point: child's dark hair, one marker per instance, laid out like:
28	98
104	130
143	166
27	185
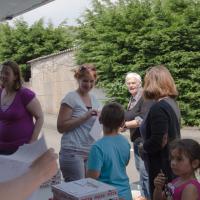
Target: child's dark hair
112	116
189	147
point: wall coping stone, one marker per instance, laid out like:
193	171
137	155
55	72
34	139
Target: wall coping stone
51	55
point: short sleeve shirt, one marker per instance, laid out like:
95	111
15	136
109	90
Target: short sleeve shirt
175	192
16	123
79	139
110	156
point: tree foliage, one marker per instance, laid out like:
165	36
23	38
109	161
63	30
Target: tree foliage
22	42
131	35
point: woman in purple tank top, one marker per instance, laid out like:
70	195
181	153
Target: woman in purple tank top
18	107
185	160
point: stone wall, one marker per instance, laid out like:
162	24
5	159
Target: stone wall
51	78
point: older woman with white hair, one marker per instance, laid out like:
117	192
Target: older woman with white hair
136	111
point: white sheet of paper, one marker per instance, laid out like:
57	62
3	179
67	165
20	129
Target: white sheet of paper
96	130
16	164
29	152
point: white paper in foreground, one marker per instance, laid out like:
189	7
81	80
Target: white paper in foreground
96	130
16	164
29	152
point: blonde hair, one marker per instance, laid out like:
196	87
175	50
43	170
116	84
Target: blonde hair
158	83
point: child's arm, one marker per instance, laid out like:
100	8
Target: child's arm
190	192
95	162
93	174
159	183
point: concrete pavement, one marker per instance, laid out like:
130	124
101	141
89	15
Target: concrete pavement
53	137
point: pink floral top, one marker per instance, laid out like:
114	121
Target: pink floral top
175	192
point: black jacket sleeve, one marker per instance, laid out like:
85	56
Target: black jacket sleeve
158	124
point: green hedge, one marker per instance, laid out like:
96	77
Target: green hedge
21	42
131	35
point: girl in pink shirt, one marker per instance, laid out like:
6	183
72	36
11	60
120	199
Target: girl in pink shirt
185	160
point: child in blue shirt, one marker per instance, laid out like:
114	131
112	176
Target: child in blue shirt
110	155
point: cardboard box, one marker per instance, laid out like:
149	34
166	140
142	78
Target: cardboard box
84	189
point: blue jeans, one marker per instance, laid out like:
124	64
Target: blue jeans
139	164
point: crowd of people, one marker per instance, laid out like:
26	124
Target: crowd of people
165	162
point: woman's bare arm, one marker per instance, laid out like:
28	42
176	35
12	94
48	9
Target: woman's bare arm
66	122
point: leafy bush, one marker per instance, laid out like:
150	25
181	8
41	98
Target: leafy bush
23	43
131	35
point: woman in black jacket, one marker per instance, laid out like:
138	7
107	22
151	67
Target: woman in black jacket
162	123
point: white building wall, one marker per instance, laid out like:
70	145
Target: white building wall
52	78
